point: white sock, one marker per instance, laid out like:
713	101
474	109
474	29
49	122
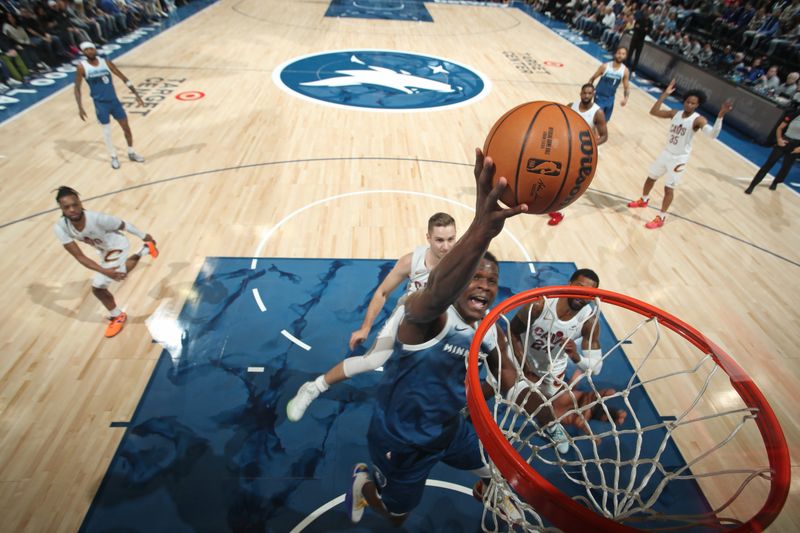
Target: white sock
663	215
144	251
321	384
646	198
115	312
130	150
107	139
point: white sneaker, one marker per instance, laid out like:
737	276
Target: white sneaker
556	433
133	156
354	500
4	87
114	162
297	406
13	82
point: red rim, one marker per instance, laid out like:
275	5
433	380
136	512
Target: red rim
558	508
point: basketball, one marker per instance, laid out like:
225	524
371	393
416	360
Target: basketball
546	151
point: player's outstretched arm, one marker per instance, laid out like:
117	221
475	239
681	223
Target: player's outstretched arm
113	68
79	75
597	73
591	360
393	279
454	272
136	232
656	110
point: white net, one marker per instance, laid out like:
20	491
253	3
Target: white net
657	440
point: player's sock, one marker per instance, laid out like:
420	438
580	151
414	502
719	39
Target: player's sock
321	384
663	215
131	150
646	198
107	139
114	313
144	251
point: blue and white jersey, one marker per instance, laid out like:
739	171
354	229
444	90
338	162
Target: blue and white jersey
609	81
99	79
422	392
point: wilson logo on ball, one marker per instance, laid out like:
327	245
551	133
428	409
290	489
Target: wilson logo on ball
543	166
586	170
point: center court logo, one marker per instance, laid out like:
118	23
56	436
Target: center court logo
381	80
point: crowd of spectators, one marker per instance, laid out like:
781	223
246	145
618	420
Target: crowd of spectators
753	43
39	35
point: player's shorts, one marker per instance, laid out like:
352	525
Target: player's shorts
606	104
104	109
116	261
400	470
670	164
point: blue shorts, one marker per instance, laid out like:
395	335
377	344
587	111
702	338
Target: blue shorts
606	104
400	470
104	109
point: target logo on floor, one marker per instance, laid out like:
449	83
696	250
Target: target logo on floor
381	80
190	96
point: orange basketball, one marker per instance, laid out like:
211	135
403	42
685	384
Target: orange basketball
546	151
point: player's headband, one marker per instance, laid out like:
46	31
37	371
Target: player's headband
86	45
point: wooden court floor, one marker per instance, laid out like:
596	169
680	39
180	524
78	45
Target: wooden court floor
222	171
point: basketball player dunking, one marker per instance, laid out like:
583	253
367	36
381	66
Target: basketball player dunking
97	72
550	328
595	117
415	266
611	74
104	233
675	155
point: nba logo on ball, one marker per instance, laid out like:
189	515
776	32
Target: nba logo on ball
381	80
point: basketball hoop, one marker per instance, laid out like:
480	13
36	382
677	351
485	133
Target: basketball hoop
622	478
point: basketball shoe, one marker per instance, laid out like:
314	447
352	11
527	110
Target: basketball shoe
556	433
297	406
152	247
133	156
116	324
354	500
655	223
638	203
555	219
114	162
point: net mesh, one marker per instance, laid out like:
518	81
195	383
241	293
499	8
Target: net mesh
619	454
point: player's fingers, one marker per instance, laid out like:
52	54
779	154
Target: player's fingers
514	211
497	190
478	162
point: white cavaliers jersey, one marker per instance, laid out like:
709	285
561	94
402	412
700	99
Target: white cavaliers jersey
100	232
546	335
587	115
418	276
681	131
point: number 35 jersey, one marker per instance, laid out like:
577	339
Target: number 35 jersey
681	131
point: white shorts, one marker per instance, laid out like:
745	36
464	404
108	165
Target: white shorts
101	281
670	164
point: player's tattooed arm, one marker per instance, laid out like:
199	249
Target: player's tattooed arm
79	75
128	83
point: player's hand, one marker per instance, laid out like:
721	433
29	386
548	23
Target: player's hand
489	215
670	88
727	105
796	150
571	350
139	101
782	142
624	101
82	114
357	337
114	274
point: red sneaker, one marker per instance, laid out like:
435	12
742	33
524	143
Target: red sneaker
655	223
638	203
152	247
116	324
555	218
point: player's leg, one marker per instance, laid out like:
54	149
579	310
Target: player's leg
656	170
675	169
774	155
148	248
352	366
788	160
103	112
117	317
119	114
396	482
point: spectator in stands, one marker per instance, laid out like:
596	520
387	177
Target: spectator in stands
79	19
753	25
22	41
642	26
787	39
740	67
754	72
769	82
111	8
49	46
765	31
705	56
606	23
685	46
108	22
727	59
17	69
786	91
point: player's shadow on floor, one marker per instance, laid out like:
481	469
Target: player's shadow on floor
602	200
176	150
95	150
